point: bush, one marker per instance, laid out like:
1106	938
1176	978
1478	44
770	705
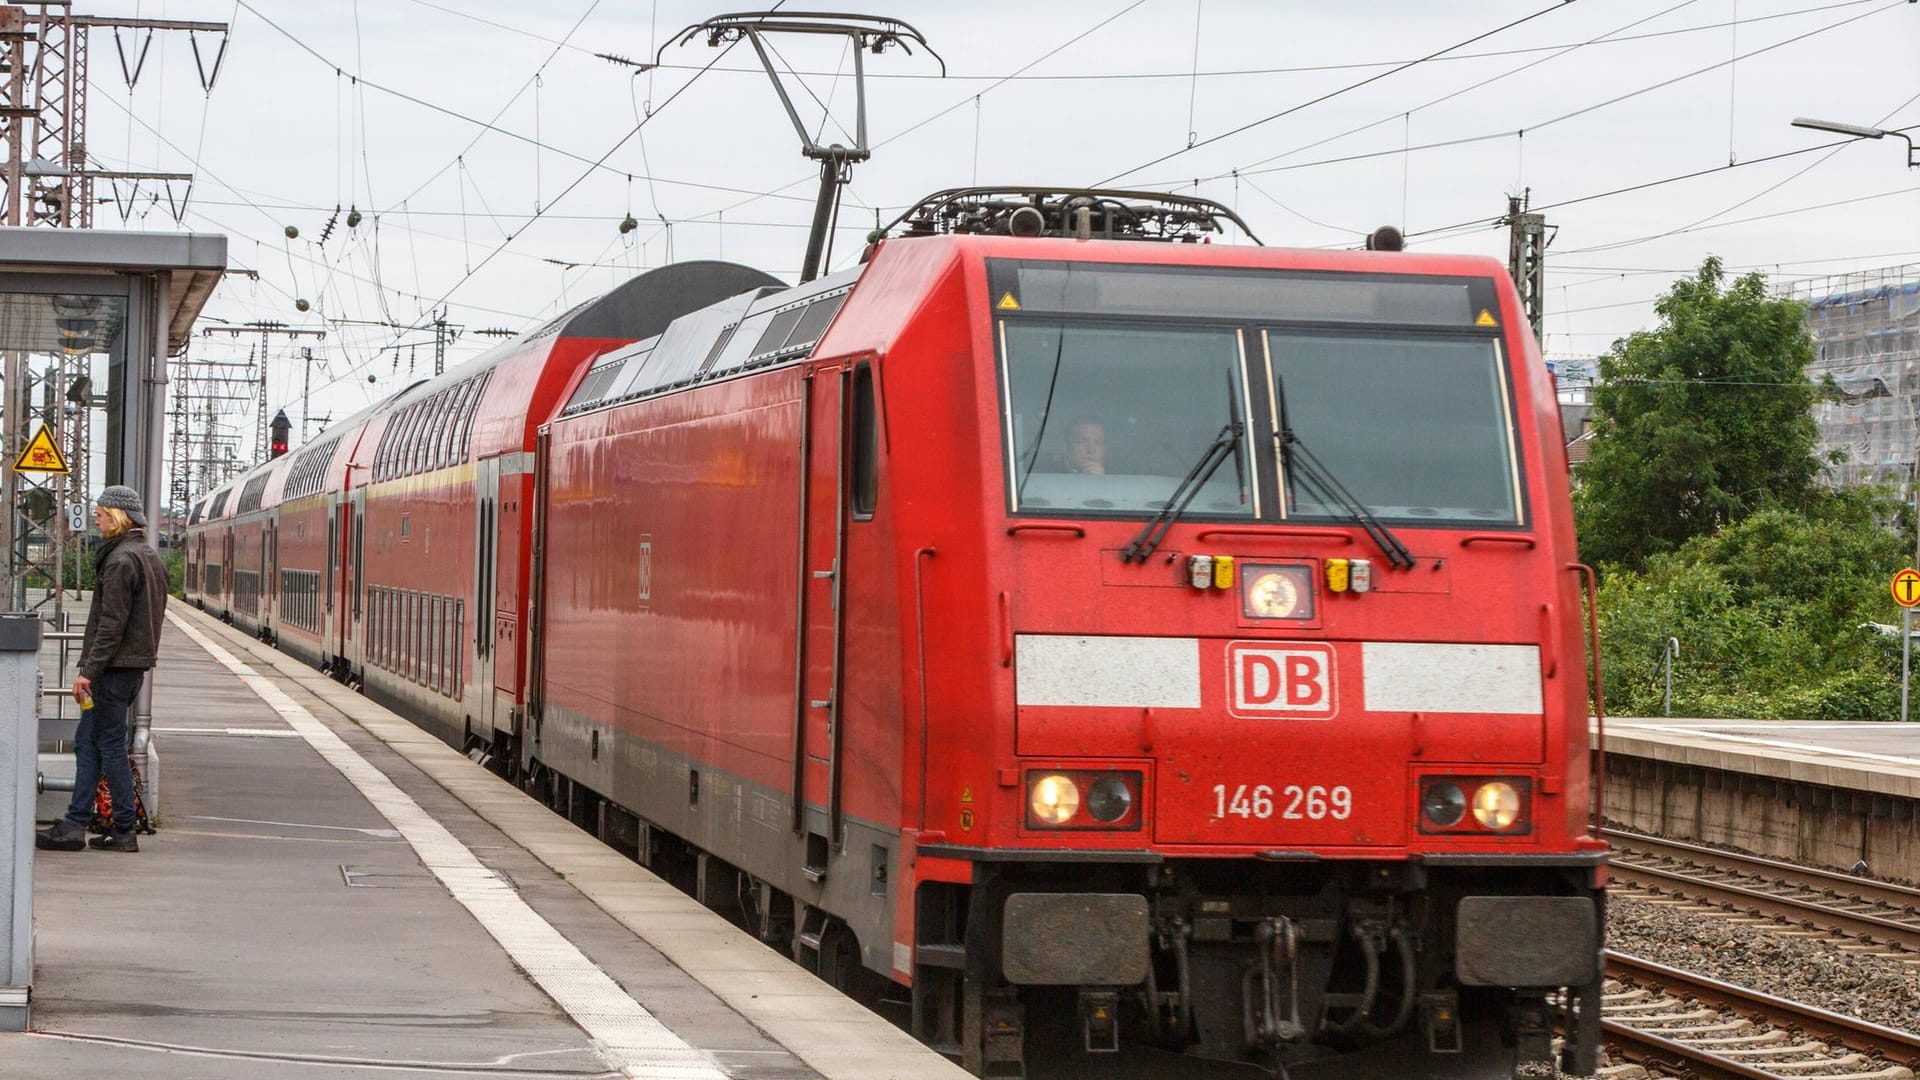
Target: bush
1769	615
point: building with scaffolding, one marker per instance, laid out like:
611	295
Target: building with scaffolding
1866	338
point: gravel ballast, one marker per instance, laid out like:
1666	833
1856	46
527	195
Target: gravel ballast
1808	970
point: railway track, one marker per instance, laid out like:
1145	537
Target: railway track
1883	916
1669	1022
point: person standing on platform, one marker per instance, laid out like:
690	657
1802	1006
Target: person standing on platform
120	646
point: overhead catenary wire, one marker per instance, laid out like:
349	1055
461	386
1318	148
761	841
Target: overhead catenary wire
1451	95
577	181
1520	131
1290	110
1700	223
923	122
496	129
1121	76
201	170
1485	222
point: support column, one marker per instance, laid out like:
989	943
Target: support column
19	767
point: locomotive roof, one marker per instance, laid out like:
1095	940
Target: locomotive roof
748	330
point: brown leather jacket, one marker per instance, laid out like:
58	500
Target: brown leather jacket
129	606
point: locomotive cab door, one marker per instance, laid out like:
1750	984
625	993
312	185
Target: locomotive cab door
486	544
822	632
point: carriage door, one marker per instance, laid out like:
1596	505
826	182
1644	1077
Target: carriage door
486	543
355	649
268	591
817	725
332	636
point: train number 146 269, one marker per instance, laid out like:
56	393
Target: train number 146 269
1294	802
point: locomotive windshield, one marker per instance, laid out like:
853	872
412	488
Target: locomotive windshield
1117	378
1108	419
1428	438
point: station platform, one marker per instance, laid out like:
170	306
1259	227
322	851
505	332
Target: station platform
1835	794
1882	758
333	893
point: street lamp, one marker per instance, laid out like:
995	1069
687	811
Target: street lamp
1858	132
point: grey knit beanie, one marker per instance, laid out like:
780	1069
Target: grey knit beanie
122	497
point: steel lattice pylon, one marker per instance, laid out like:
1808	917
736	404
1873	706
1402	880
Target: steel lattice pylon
56	161
16	109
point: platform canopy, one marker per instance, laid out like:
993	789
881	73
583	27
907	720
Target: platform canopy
30	321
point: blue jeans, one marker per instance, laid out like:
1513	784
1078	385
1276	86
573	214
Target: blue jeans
101	745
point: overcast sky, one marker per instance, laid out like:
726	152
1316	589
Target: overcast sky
1610	94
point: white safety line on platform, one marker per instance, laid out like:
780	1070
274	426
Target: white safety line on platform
384	834
495	1069
626	1034
238	732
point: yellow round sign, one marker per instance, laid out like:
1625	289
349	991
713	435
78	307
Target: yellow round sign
1906	587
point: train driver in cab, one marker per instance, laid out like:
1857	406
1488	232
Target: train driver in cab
1087	447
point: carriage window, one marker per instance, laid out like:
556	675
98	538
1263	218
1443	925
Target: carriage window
1430	440
434	641
1109	419
866	444
472	411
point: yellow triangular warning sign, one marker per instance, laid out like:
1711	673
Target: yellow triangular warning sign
41	455
1485	319
1008	303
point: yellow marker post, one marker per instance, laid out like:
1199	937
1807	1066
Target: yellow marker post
1906	593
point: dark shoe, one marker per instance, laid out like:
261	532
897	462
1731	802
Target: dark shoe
115	841
62	835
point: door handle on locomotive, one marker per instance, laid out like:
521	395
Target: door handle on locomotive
1549	647
1497	538
1280	534
1043	526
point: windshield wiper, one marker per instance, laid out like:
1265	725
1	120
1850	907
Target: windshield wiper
1157	526
1300	460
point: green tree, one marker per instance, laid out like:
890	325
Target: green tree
1699	422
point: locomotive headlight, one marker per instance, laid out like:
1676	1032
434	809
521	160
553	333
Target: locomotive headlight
1053	799
1443	803
1276	592
1496	805
1109	799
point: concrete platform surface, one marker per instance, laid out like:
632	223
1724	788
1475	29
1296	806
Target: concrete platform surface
334	894
1882	758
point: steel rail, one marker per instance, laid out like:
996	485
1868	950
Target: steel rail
1867	889
1903	933
1672	1057
1892	1044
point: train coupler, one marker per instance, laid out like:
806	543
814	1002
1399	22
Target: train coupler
1440	1021
1270	992
1100	1020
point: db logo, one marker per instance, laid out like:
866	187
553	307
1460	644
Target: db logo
1273	679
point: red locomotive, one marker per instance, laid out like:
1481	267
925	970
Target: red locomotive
1181	642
